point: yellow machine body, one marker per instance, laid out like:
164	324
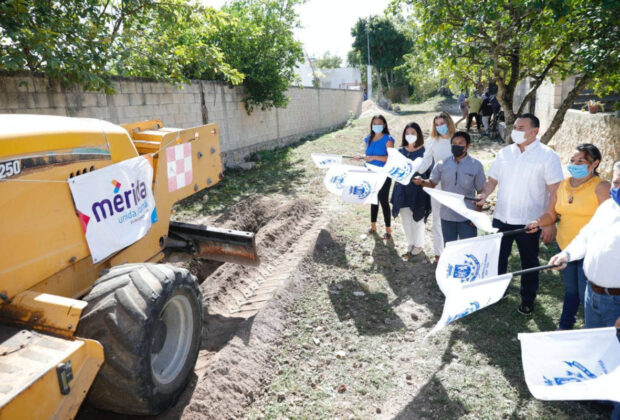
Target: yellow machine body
45	263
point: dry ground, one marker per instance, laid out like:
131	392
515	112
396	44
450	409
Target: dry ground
332	323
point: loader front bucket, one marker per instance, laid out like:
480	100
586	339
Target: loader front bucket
218	244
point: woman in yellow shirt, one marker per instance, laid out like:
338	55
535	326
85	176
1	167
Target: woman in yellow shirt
575	202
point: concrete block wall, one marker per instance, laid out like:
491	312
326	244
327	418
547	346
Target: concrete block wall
309	111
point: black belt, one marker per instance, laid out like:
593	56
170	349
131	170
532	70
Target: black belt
604	290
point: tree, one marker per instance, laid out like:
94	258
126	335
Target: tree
510	40
387	47
329	61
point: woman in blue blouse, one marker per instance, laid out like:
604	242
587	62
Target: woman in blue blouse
377	143
410	201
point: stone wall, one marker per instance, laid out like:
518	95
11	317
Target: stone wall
602	130
309	111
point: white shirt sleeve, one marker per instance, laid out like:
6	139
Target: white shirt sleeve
553	170
496	167
427	158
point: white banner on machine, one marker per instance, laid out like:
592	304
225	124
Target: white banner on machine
115	205
398	167
334	178
362	187
572	365
456	202
324	160
467	260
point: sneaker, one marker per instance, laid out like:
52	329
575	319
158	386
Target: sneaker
525	309
416	250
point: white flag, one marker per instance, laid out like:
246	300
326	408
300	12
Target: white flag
115	205
324	160
572	365
362	187
398	167
456	202
463	300
334	178
468	260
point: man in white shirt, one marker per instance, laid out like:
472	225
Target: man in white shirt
526	173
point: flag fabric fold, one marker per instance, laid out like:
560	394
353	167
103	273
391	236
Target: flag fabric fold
325	160
572	365
334	178
362	187
398	167
456	202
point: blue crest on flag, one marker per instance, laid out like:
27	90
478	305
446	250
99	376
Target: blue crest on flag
361	191
338	181
576	373
327	161
402	172
473	307
466	272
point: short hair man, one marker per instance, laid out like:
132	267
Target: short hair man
526	173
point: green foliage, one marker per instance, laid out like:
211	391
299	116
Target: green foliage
85	42
260	43
387	44
509	40
329	61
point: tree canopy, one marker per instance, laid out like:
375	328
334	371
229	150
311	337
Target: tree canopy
328	61
85	42
510	40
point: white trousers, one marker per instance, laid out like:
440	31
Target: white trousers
485	122
437	235
414	231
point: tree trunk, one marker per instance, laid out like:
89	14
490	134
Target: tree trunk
387	79
558	118
379	85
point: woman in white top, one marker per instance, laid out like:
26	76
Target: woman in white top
438	148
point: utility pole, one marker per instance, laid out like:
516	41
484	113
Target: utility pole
369	67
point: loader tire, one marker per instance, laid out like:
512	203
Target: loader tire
148	317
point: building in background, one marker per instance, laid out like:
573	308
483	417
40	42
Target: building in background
339	78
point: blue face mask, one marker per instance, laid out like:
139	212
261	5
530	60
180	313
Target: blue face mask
578	171
377	128
615	195
442	129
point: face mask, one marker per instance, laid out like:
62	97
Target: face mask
377	129
442	129
518	136
615	195
578	171
410	138
458	151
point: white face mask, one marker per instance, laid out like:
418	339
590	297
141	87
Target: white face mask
410	138
517	136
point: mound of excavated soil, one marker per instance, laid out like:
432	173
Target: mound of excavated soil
246	307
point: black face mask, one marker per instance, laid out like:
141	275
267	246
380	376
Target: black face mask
458	151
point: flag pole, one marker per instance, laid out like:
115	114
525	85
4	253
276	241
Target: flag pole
533	269
501	276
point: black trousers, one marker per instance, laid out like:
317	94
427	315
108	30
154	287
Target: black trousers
384	201
470	117
528	245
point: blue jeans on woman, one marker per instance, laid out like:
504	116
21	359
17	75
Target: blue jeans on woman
574	291
453	231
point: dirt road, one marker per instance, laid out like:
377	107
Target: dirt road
332	323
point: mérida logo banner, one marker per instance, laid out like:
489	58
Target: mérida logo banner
115	205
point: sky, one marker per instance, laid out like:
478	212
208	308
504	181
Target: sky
326	24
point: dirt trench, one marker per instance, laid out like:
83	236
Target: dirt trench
245	308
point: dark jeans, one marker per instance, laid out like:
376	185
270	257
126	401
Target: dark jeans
384	200
470	117
574	291
527	243
453	231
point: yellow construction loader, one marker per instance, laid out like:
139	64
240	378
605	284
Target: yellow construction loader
124	331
